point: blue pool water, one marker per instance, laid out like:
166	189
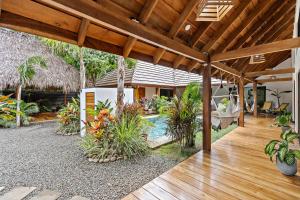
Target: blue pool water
159	128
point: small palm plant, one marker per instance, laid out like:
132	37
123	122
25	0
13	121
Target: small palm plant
285	157
27	72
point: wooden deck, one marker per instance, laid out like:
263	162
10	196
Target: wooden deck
235	169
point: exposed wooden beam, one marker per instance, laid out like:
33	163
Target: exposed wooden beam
277	46
143	18
96	13
130	42
193	65
235	14
187	11
270	72
82	31
260	7
178	61
198	34
274	80
147	10
0	7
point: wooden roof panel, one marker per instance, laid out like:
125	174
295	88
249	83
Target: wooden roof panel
39	17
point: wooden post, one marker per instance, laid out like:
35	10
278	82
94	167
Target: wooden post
242	101
120	89
255	99
65	98
207	106
82	70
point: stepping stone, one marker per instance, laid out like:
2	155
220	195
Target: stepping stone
1	188
17	193
46	195
79	198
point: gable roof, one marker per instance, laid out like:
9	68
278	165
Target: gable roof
146	73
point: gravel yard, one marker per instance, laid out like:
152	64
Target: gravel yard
36	156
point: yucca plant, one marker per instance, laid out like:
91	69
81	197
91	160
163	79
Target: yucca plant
284	155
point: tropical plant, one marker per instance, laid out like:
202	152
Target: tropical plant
283	120
109	138
69	118
8	111
280	148
276	93
96	63
26	73
182	116
160	103
129	138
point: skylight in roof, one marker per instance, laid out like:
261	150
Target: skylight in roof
214	10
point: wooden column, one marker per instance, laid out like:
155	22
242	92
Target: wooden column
207	106
242	101
255	99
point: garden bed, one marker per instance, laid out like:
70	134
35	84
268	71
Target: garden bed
56	163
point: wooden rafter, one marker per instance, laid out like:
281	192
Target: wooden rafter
187	11
259	49
178	61
270	72
0	7
274	80
143	18
82	31
193	65
198	34
244	24
226	24
93	11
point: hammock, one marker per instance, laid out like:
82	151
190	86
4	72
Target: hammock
233	107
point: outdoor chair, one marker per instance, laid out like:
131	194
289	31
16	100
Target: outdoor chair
282	108
266	109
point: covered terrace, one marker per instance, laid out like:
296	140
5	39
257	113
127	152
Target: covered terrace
177	34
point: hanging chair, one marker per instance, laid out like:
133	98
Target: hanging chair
225	114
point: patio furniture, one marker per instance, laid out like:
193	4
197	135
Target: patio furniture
266	109
280	109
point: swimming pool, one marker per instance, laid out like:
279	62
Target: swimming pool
159	127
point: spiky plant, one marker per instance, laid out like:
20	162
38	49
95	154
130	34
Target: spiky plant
280	148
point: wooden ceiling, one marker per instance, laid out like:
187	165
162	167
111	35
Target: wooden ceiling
153	30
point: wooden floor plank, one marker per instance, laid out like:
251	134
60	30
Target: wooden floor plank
236	168
17	193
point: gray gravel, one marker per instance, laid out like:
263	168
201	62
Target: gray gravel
36	156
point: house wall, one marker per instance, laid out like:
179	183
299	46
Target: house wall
296	64
281	86
149	92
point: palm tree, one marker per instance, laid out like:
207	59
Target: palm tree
27	72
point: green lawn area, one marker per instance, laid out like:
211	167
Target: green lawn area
174	151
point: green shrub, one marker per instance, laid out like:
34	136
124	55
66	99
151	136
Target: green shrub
8	111
109	138
281	149
69	118
182	114
283	119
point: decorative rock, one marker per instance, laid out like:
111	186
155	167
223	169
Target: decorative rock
119	158
106	160
95	160
113	159
90	159
101	160
125	157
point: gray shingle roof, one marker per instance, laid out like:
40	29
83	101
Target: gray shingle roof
146	73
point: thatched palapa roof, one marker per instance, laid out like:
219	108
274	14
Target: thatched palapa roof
16	48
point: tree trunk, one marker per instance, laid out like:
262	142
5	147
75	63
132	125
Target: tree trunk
82	71
18	116
120	90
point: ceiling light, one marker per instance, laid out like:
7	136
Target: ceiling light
187	27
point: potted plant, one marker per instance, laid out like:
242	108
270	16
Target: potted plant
286	158
283	121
